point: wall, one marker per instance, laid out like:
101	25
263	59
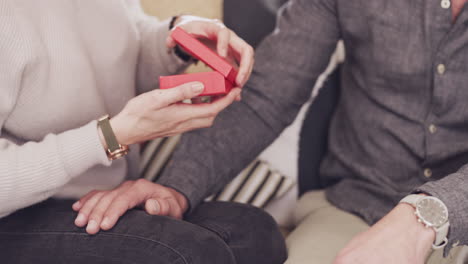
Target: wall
166	8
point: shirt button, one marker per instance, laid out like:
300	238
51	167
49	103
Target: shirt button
441	69
432	128
445	4
427	173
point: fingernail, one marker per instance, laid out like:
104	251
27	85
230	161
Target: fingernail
80	219
76	205
156	207
241	80
152	207
106	223
198	87
92	227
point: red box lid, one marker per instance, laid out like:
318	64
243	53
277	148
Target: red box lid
198	50
214	82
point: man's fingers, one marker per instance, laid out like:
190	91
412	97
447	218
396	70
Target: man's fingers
157	206
152	207
175	211
82	218
163	98
164	207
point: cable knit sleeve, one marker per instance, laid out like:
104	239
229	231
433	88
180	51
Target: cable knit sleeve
154	59
32	172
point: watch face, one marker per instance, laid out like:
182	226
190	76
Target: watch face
432	211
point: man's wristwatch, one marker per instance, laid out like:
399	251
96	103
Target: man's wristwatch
433	213
114	150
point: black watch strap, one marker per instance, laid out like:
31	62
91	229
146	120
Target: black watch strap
177	49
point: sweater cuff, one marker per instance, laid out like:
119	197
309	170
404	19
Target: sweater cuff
448	191
82	149
182	178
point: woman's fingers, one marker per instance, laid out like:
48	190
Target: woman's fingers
96	221
187	112
83	215
97	213
224	37
134	195
222	103
246	53
79	204
118	207
166	97
104	208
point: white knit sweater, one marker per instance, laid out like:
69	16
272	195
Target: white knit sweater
64	63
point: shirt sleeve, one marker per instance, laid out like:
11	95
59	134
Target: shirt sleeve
452	191
289	62
154	58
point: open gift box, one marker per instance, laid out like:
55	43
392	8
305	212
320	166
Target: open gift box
218	82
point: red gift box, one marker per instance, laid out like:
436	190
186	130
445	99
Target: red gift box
214	82
219	82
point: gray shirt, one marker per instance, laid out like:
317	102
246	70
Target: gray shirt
402	121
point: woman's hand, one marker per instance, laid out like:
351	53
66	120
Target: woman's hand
159	114
228	44
102	209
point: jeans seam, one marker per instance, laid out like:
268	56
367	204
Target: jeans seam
103	234
220	232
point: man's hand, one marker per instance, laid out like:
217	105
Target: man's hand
101	209
397	238
228	44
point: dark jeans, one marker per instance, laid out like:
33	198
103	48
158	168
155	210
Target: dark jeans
216	232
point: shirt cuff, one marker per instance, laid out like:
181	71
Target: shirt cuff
449	192
182	178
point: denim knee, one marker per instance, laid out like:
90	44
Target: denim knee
191	243
252	233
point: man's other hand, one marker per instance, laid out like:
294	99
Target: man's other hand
397	238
